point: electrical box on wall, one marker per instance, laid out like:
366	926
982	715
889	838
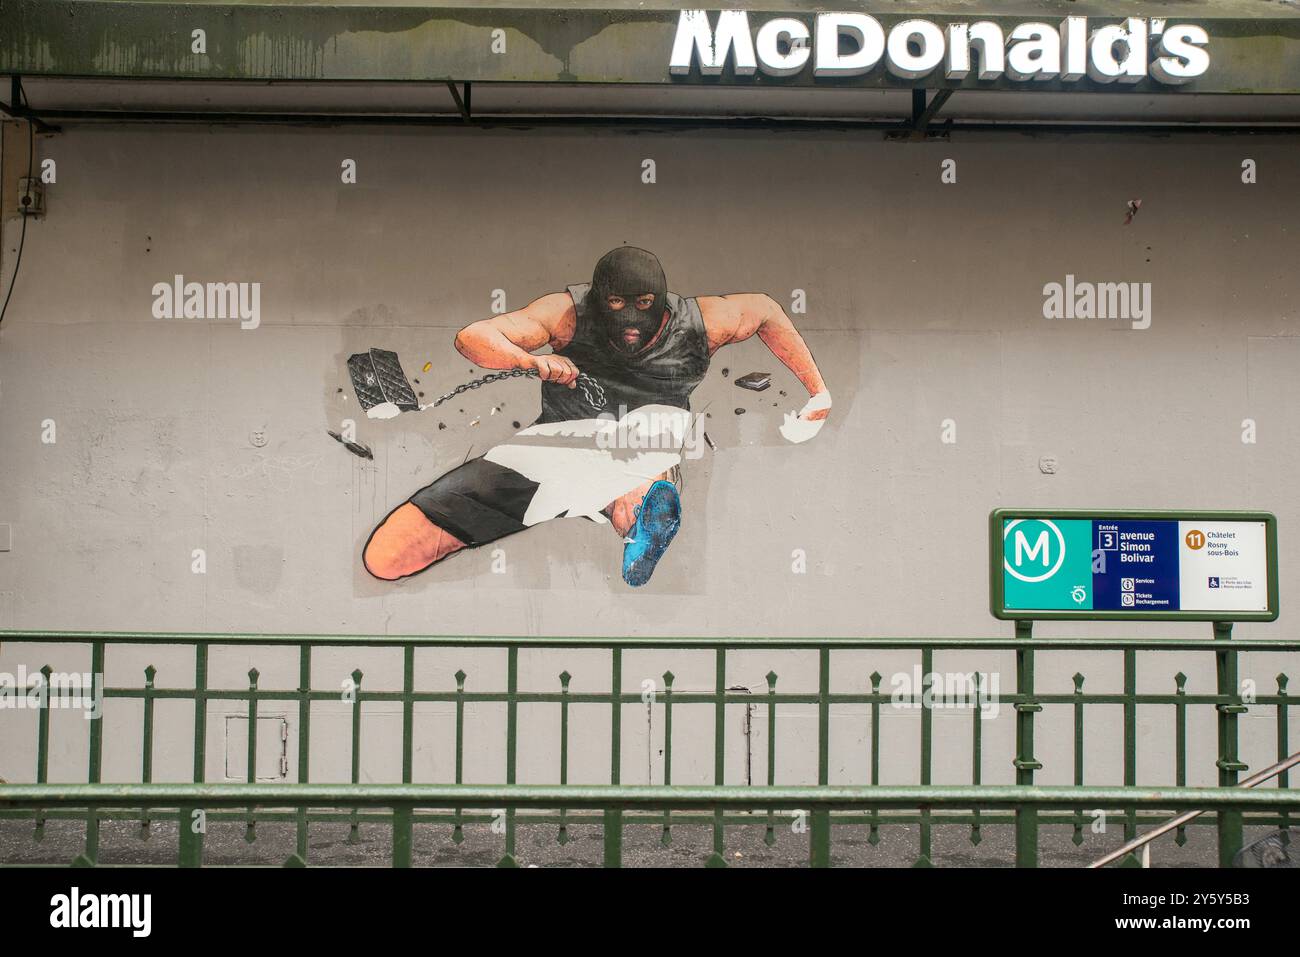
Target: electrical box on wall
31	196
20	164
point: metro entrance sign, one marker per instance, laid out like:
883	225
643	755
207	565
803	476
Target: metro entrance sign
1197	566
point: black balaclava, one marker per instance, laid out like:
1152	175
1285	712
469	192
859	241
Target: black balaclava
629	272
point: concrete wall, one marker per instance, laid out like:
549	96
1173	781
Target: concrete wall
925	303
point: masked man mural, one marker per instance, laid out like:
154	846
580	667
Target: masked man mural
626	356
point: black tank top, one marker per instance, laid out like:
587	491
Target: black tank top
664	374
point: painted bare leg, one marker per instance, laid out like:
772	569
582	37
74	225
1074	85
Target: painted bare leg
647	519
405	543
622	511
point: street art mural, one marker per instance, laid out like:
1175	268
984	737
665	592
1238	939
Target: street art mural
615	423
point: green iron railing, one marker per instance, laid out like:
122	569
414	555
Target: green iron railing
403	802
828	806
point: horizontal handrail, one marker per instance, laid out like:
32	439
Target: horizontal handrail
656	797
1008	643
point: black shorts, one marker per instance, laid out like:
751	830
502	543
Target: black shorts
478	502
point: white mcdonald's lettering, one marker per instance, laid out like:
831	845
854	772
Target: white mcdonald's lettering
1123	53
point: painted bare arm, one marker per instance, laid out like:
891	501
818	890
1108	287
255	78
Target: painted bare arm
507	341
737	317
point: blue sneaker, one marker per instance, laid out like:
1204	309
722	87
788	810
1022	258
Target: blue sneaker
657	520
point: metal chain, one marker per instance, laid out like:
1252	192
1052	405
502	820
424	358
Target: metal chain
586	383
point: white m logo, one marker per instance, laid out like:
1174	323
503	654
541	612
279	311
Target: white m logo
1040	550
1022	546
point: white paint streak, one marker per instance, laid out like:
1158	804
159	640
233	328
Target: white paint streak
796	428
580	477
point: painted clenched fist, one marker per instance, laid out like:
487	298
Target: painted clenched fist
556	369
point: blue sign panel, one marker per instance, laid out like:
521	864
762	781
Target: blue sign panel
1135	566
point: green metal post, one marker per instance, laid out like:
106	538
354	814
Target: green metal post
191	822
1026	707
976	749
819	843
146	757
819	838
458	829
200	711
1130	737
613	837
354	830
927	731
824	717
1283	746
304	747
251	832
1229	822
253	675
667	836
1078	680
719	751
408	712
562	837
42	748
614	816
96	749
769	836
873	834
402	836
512	743
1180	745
43	729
